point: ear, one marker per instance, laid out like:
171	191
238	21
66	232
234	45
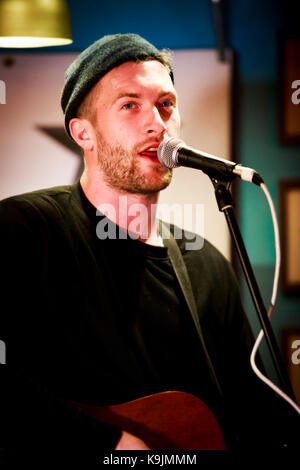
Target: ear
81	131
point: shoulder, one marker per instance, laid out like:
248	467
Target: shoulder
195	247
214	283
29	217
37	198
203	260
34	204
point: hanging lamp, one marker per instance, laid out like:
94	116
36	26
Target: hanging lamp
34	23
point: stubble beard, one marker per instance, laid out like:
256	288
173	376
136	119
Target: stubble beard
121	170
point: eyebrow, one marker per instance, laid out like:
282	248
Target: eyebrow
126	94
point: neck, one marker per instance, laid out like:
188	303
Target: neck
134	213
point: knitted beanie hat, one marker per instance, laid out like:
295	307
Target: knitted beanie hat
98	59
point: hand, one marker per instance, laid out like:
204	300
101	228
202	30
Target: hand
130	442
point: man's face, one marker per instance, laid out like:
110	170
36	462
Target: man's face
136	107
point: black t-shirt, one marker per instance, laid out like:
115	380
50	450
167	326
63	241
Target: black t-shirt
103	321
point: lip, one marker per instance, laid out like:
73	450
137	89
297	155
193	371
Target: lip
154	145
150	154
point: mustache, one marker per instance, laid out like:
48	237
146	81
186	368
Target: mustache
137	148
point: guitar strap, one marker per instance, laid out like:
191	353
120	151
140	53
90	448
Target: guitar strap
183	278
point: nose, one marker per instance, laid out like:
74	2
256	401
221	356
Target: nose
154	123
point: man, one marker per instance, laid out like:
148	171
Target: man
95	313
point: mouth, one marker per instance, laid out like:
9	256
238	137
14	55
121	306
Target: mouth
150	151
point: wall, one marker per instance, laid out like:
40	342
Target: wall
253	33
37	160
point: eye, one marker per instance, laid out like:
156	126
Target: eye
166	104
129	106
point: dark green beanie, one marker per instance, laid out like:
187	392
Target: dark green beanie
95	61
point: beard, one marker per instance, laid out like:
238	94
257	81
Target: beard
122	169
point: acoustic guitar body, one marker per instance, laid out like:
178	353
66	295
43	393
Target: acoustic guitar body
165	421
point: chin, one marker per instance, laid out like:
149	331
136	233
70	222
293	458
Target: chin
139	184
153	187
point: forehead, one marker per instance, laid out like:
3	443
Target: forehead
148	76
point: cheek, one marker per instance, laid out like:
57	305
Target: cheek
126	132
114	131
174	123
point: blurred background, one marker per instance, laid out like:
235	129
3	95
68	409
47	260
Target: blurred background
259	39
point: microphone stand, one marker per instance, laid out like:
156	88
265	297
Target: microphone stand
225	204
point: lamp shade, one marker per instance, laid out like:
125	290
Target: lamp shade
34	23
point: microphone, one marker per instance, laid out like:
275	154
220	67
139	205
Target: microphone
173	152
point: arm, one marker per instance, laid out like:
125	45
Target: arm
31	416
253	415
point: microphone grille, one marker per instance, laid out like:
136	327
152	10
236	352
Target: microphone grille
167	151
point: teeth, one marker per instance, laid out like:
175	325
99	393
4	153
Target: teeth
152	149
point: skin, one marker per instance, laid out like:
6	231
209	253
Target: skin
135	107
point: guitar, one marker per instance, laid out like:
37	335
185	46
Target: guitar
164	421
